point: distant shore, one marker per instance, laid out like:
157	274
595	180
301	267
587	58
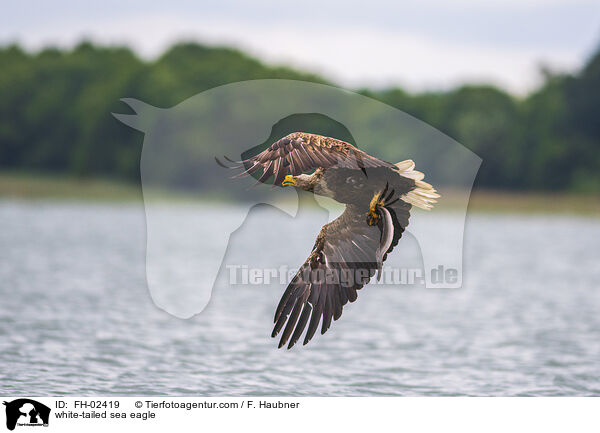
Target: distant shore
27	186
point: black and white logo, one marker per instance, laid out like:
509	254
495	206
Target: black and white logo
26	412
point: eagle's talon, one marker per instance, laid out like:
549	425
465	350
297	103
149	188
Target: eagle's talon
374	203
372	219
289	180
372	215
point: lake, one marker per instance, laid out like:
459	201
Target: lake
76	316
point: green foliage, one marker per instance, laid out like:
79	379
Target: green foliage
55	113
549	140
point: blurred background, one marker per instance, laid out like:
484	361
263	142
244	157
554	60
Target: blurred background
515	81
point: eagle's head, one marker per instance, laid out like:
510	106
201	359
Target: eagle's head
305	182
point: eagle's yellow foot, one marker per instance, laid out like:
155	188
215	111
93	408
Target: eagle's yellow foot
372	215
289	181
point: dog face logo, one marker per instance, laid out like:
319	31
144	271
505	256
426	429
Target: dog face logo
26	412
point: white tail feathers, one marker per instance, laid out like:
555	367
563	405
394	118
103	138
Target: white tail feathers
424	195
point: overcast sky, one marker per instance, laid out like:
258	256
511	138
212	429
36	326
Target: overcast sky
427	44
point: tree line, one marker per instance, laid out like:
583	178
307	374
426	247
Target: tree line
56	104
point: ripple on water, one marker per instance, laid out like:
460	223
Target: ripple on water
76	318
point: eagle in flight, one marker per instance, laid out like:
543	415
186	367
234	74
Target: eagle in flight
349	250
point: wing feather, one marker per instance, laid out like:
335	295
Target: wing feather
267	173
301	324
347	253
302	152
316	316
292	321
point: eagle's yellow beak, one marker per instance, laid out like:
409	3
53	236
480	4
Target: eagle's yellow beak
289	180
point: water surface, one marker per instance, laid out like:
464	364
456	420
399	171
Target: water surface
76	317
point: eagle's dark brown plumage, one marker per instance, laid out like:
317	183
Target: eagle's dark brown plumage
351	249
302	152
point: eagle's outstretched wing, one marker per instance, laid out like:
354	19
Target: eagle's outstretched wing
346	254
302	152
